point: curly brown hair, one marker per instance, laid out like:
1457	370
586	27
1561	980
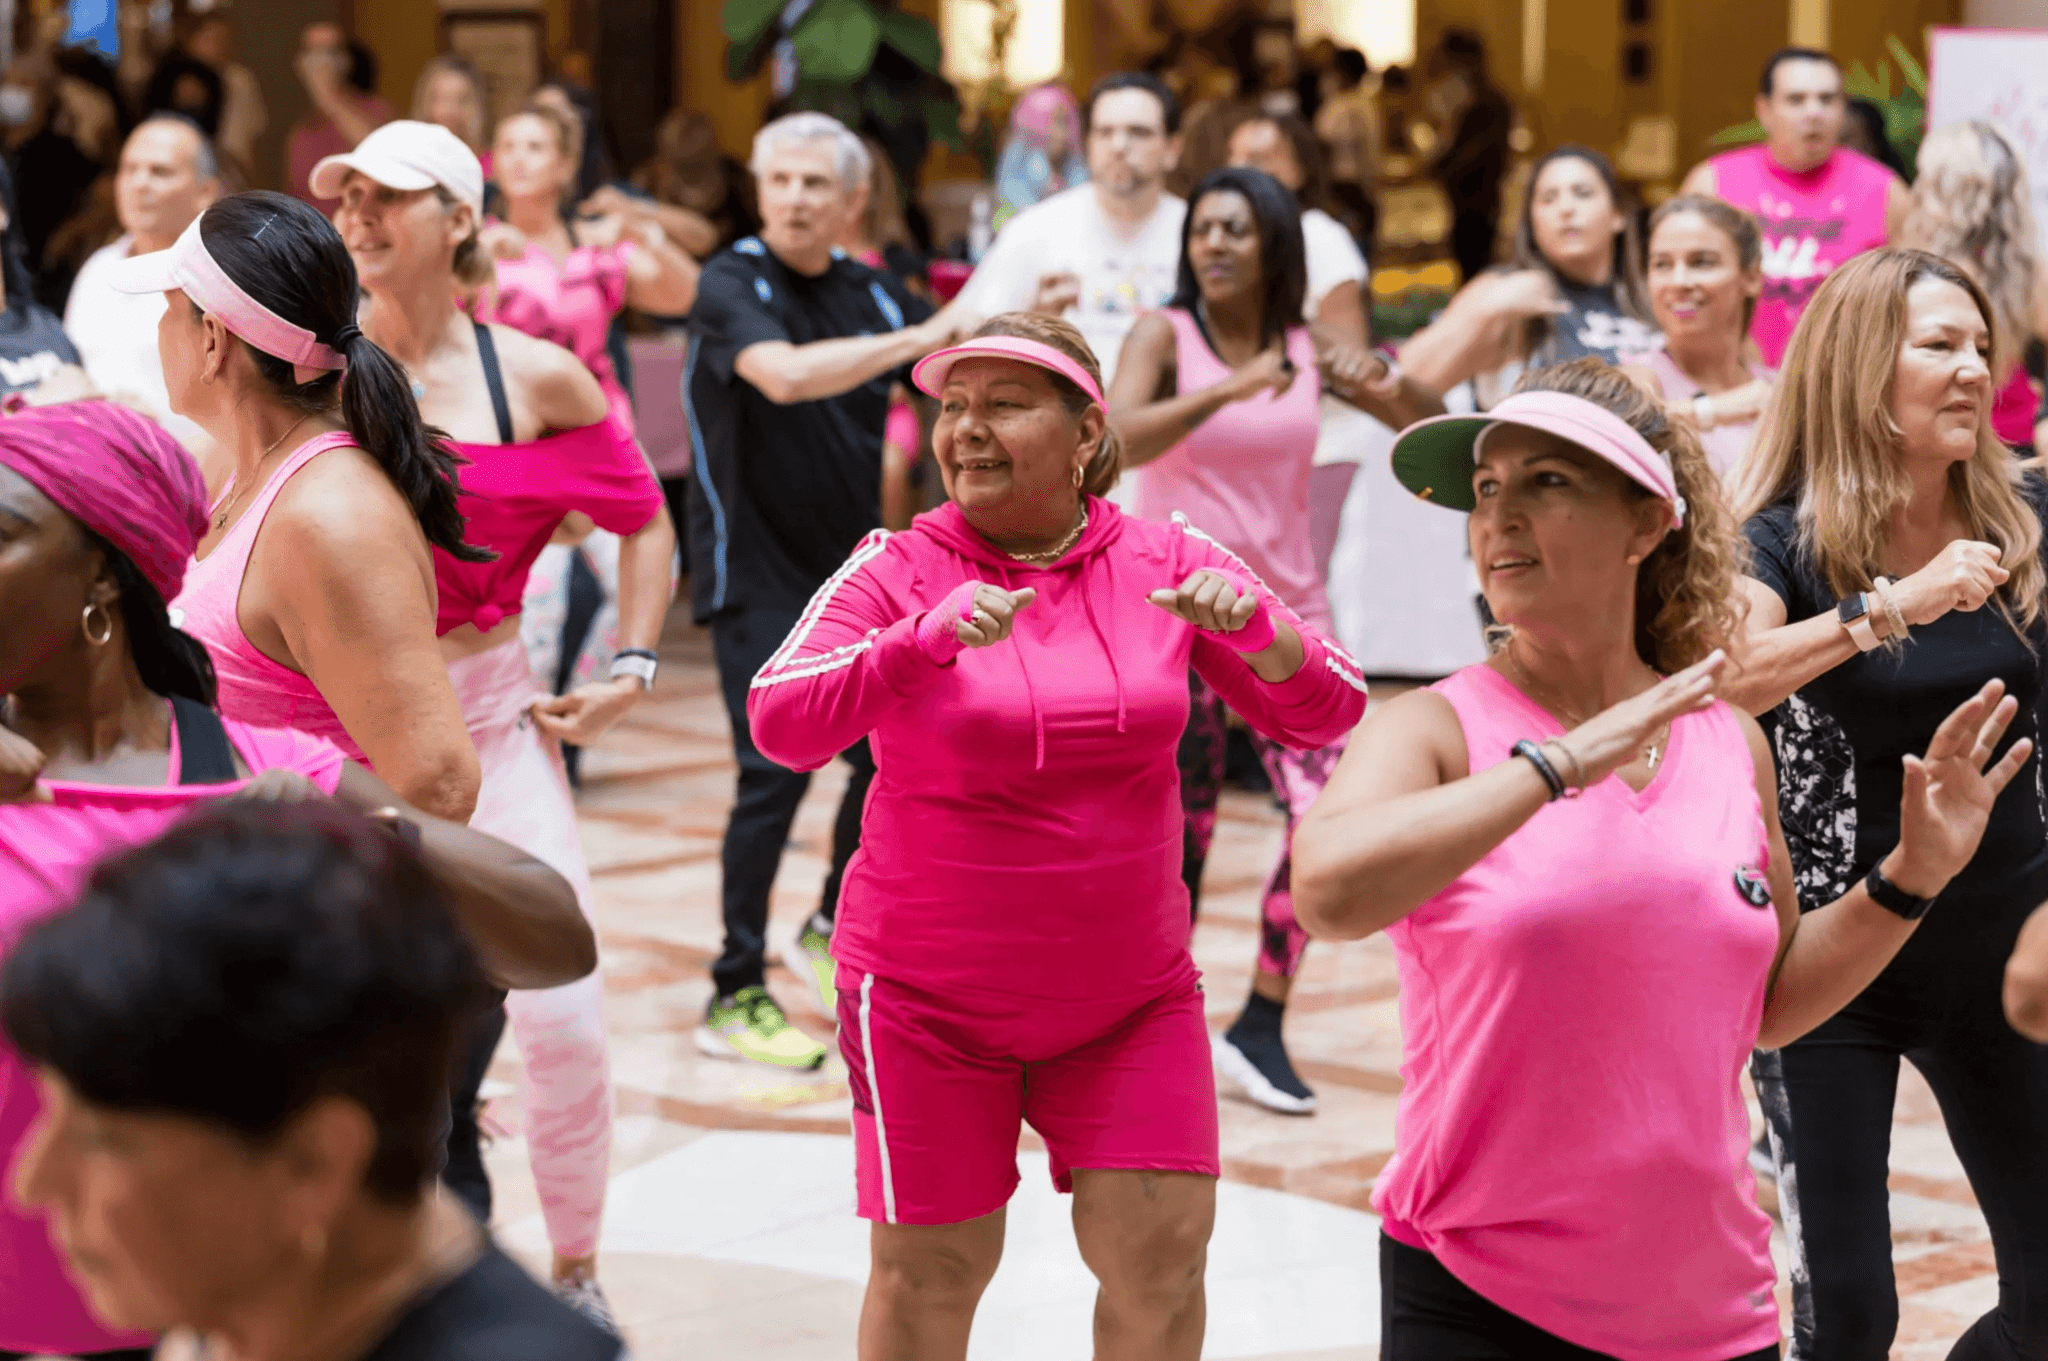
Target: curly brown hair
1108	463
1686	601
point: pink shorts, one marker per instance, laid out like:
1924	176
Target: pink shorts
943	1084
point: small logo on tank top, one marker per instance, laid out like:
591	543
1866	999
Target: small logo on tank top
177	617
1751	884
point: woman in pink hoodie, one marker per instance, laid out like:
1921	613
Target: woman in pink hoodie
1013	940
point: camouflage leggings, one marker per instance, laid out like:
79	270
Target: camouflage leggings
1298	778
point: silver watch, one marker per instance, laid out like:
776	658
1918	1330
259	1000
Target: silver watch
636	662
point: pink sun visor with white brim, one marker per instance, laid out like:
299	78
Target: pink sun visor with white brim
930	373
1435	458
187	265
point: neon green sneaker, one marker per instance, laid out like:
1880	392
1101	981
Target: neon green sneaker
809	956
748	1025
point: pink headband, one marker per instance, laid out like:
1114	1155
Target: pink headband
930	374
187	265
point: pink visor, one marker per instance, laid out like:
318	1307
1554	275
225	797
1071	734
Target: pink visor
930	373
1435	458
188	266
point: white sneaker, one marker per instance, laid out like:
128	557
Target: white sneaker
1236	1065
808	955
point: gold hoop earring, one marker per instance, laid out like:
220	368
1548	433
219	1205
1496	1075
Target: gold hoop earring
1080	472
106	617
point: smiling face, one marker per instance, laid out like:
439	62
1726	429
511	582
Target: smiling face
528	159
1574	219
400	239
1941	388
1697	284
1224	247
1005	443
1553	529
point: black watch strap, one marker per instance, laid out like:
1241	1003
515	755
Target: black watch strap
1892	898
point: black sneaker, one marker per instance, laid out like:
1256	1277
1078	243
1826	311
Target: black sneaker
1259	1064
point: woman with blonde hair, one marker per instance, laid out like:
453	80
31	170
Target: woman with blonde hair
1574	850
451	92
1972	206
1895	570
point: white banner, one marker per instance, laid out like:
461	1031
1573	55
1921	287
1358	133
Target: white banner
2000	74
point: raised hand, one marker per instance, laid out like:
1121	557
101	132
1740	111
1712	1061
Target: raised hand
1210	600
1270	369
1057	292
1949	791
1962	576
1617	734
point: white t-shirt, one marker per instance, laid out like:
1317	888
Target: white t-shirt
1123	273
1346	433
116	338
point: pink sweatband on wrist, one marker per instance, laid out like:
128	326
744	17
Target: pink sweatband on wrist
1258	632
938	634
902	429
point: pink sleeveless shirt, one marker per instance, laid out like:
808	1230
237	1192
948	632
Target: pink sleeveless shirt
1576	1011
571	304
513	496
46	851
1812	222
1242	476
253	688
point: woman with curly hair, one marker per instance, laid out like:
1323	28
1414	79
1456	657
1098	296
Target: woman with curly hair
1574	849
1895	568
1973	207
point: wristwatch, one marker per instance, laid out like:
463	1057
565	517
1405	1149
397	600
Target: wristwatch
635	661
1854	612
1892	898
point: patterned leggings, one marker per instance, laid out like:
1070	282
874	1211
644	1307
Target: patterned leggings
1298	778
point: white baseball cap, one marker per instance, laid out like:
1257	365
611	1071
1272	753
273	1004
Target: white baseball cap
407	155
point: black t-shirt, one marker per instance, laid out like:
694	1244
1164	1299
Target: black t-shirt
494	1311
1840	739
781	494
1598	325
32	347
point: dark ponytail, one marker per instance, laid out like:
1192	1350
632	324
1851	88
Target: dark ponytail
284	254
169	660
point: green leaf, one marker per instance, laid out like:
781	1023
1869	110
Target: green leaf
1742	134
1916	74
916	38
836	41
746	21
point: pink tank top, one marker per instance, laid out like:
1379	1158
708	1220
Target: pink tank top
1812	221
254	689
1242	476
571	304
1576	1012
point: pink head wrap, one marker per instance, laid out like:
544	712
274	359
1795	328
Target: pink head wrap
930	373
189	266
119	475
1038	109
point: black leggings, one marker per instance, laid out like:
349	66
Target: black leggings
1828	1101
1427	1314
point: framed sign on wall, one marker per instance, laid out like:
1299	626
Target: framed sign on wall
505	46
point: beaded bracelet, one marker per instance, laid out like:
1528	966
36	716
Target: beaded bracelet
1533	754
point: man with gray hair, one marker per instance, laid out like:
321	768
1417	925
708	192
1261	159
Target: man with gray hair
793	347
167	177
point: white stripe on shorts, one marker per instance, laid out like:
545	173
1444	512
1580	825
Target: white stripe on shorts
867	1049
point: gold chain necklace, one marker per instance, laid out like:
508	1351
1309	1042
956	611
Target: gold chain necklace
220	521
1052	554
1651	754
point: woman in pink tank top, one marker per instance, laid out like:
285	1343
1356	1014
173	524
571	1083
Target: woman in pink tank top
1973	206
540	441
103	510
1574	848
314	587
1218	396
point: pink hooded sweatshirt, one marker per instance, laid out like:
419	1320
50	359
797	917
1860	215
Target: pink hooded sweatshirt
1023	834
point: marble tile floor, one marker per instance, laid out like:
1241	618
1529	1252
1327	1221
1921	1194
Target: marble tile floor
730	1229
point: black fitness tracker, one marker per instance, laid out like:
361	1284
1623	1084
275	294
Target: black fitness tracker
1892	898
